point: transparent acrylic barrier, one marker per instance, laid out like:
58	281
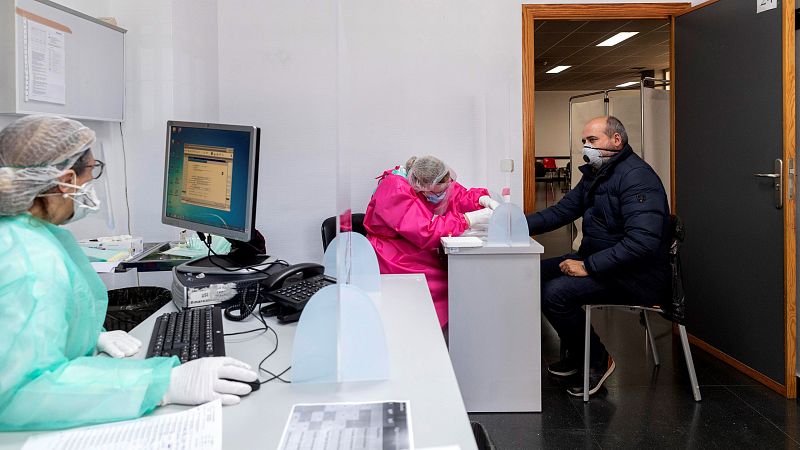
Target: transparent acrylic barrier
339	338
362	269
315	349
363	354
508	227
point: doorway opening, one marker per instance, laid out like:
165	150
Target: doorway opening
584	69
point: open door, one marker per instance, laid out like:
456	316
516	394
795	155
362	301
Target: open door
734	183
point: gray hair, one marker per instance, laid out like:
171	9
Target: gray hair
614	126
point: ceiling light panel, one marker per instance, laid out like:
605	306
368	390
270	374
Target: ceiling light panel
617	38
558	69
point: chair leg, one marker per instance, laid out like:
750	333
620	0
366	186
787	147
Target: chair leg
687	353
652	338
586	352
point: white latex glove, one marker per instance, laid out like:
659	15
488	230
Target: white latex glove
488	202
118	344
201	380
478	217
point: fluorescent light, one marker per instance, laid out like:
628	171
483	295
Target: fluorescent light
558	69
617	38
629	83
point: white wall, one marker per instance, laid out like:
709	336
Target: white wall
552	122
420	77
432	79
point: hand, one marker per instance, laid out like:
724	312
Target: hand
573	268
478	217
201	380
118	344
488	202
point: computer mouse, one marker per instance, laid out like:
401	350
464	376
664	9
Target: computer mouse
254	385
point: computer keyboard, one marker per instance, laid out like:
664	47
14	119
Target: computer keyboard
188	334
297	294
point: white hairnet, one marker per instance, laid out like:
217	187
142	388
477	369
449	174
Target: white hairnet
426	172
34	151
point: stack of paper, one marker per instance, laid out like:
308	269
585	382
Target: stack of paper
198	428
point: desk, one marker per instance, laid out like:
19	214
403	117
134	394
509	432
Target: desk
420	373
495	326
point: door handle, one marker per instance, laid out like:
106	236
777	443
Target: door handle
777	179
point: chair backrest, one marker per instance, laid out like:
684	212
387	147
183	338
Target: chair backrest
540	169
677	309
549	163
329	228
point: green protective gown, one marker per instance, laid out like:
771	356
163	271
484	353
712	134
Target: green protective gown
52	307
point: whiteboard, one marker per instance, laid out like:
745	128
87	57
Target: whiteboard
93	58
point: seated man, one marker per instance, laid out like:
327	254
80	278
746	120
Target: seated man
623	257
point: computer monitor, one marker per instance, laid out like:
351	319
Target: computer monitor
211	178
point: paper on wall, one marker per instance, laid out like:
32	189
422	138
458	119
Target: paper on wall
45	63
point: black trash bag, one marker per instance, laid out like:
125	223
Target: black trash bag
481	437
676	309
129	307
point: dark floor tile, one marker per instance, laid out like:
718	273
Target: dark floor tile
782	412
628	410
556	413
654	437
737	433
567	439
527	430
750	432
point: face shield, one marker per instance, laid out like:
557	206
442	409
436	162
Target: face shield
102	188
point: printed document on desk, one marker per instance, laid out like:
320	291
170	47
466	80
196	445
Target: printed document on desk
352	426
198	428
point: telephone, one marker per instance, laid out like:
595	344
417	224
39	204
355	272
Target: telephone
291	288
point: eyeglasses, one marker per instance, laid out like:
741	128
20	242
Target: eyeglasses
97	168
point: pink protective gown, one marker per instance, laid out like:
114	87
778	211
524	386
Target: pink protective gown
405	232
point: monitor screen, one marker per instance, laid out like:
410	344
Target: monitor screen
210	178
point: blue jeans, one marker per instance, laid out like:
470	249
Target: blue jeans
563	298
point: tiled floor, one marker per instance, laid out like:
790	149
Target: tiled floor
641	406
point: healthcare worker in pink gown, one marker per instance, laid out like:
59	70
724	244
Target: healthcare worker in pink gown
411	209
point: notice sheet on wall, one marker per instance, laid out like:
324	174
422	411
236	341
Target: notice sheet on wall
45	63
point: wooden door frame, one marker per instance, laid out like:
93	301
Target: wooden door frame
598	11
668	11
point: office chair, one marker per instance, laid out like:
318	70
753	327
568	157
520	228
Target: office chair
566	175
329	228
675	312
548	176
540	170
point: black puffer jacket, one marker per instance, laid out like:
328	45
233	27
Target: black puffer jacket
626	232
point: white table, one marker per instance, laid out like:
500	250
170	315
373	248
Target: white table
420	373
495	326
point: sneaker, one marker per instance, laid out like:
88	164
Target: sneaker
596	379
563	368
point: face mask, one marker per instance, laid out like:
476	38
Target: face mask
436	198
592	156
84	200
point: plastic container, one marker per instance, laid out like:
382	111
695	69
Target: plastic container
129	307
